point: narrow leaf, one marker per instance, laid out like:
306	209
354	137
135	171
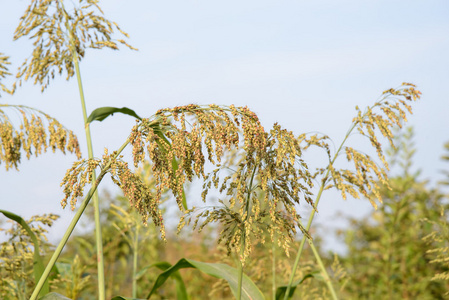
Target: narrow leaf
102	113
38	264
280	291
222	271
125	298
181	291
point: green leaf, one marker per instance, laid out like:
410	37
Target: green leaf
222	271
181	291
125	298
54	296
280	291
38	264
102	113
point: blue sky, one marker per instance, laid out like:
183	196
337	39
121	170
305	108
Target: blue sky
304	64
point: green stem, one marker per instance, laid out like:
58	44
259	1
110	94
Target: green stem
312	214
326	276
98	237
240	279
72	225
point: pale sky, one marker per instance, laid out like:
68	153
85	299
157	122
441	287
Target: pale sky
304	64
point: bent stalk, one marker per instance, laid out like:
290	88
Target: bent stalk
312	214
326	276
72	225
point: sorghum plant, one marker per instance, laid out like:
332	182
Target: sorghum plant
173	140
367	175
60	39
259	196
270	162
273	155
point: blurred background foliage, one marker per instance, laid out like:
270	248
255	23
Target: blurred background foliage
390	252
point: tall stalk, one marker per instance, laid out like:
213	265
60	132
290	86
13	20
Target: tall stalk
312	214
98	237
71	227
326	276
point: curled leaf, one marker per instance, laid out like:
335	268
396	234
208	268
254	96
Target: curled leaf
102	113
222	271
